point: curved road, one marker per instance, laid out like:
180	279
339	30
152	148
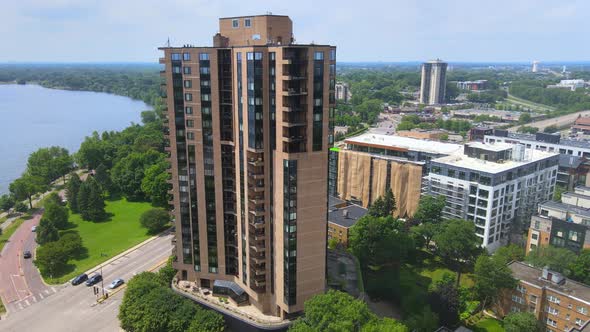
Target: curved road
20	282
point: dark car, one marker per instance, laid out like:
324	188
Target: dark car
94	280
27	254
80	279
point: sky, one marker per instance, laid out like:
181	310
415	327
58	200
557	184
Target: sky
368	30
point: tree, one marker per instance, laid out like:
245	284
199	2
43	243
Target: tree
155	220
338	311
150	306
557	259
49	163
424	321
25	187
128	173
56	214
509	253
95	151
6	202
580	267
430	209
491	274
457	244
102	176
383	206
521	322
71	243
377	242
155	183
559	190
20	207
424	232
167	272
72	190
51	258
445	300
46	232
524	118
91	201
527	129
207	321
551	129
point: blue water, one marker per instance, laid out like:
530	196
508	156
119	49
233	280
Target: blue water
32	117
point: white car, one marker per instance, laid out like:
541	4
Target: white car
116	283
34	229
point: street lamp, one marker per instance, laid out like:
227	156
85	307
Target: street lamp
101	275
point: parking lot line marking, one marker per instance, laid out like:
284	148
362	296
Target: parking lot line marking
41	296
34	299
47	291
53	289
27	302
20	306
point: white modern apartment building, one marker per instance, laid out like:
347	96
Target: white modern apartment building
543	142
497	186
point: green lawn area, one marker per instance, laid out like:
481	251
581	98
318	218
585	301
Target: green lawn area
7	233
431	267
488	325
111	237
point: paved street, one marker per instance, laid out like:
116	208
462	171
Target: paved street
74	308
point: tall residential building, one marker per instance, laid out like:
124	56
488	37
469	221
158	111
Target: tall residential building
343	92
535	67
434	82
497	186
250	125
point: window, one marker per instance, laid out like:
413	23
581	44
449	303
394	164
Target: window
206	97
190	123
533	299
186	56
520	288
205	70
188	84
553	299
257	55
203	56
175	56
552	310
582	310
332	55
176	70
188	96
188	110
186	70
205	83
190	135
248	22
579	322
235	23
551	322
517	299
318	56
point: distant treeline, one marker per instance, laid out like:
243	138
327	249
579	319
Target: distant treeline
137	81
564	100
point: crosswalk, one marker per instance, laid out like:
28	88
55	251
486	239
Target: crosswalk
32	299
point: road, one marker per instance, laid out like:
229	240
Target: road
20	283
386	124
560	121
74	308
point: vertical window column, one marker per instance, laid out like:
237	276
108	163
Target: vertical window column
318	100
290	231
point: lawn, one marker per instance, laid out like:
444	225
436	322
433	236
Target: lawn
488	325
111	237
431	267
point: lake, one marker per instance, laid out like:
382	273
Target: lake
32	117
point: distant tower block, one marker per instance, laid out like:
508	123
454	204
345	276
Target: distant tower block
434	82
535	68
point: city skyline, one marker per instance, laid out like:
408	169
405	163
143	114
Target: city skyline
456	31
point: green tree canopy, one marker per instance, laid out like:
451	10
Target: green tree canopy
91	201
129	172
72	190
522	322
49	163
383	206
56	214
155	183
26	186
51	258
557	259
378	242
155	220
6	202
457	244
430	209
46	232
491	275
580	268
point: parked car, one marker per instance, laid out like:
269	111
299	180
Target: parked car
34	229
79	279
27	254
116	283
94	280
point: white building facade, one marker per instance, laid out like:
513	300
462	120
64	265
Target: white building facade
496	186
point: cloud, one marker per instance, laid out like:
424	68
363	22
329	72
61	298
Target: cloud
371	30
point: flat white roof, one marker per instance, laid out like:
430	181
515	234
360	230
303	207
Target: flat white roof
461	160
408	143
496	147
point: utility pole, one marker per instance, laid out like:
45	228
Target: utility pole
101	275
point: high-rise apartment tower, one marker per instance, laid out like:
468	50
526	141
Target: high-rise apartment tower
250	125
434	82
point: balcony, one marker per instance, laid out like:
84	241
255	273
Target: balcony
257	212
293	77
257	235
258	258
257	187
258	248
294	109
258	175
258	270
258	225
295	92
255	162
